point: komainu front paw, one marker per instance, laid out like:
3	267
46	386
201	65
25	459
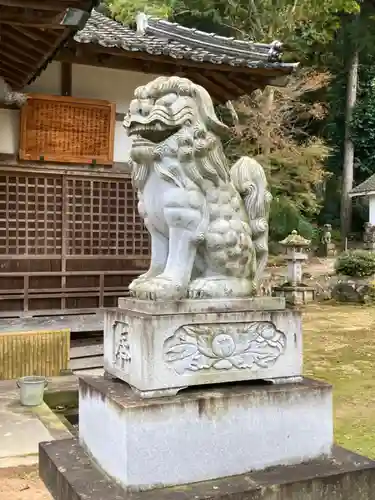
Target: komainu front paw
147	276
133	285
159	288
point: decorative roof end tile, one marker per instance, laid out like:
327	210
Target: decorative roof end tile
141	20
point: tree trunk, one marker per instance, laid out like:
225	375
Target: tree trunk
267	105
348	166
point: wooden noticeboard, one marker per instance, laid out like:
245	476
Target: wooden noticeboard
67	130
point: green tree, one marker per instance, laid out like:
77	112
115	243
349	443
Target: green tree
304	25
295	155
353	39
125	11
277	136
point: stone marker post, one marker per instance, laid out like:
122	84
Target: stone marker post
369	237
327	247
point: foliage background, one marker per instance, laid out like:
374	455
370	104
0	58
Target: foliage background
297	133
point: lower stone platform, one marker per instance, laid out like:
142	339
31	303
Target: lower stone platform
148	443
69	474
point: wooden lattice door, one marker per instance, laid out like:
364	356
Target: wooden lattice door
30	215
102	219
68	241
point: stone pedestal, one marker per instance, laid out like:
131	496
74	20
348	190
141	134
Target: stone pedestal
202	434
327	249
161	347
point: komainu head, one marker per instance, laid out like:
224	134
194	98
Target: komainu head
168	111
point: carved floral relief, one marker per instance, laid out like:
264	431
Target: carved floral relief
224	347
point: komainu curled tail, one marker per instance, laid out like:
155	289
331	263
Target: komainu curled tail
249	179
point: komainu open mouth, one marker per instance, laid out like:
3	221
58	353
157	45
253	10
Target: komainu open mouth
154	132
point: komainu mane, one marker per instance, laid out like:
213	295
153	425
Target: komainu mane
208	222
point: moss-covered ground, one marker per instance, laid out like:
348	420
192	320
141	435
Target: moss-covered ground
339	347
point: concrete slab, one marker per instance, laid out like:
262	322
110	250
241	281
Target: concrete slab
22	428
20	433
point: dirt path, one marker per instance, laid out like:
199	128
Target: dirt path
22	484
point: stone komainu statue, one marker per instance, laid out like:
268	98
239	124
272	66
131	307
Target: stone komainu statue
208	223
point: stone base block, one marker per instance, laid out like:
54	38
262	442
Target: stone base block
160	347
296	295
202	434
69	474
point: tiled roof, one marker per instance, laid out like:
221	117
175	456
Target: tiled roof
160	37
365	187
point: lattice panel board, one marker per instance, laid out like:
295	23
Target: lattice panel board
30	214
102	219
67	129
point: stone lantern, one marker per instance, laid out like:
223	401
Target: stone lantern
294	290
295	245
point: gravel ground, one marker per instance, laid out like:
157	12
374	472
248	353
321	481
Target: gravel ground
22	483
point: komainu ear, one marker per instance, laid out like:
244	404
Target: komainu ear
208	113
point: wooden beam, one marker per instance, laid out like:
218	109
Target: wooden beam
21	37
14	69
35	5
226	81
19	59
66	78
33	25
44	37
250	84
31	69
39	35
220	93
28	56
33	21
8	63
107	61
15	82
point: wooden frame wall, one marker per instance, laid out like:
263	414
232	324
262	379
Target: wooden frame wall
69	241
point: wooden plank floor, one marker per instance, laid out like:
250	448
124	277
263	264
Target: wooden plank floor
86	353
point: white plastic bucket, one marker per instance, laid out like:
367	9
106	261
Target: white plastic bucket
32	390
